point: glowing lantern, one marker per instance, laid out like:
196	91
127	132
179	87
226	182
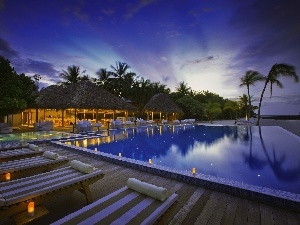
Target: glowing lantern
95	149
194	171
150	161
31	209
7	176
120	155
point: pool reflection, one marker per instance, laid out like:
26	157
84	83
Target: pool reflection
264	156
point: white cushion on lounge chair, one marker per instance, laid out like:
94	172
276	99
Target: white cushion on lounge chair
33	147
50	155
151	190
82	167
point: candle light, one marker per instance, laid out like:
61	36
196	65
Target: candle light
193	171
7	176
95	149
120	155
31	209
150	161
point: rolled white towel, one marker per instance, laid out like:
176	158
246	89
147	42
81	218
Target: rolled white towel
33	147
50	155
23	143
151	190
82	167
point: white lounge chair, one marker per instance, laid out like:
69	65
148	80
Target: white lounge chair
44	187
251	121
5	128
164	122
118	124
29	166
44	126
176	122
124	206
97	125
84	126
128	123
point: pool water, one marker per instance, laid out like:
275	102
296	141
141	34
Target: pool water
261	156
27	136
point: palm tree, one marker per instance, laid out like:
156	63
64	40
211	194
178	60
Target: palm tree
73	75
232	106
183	89
103	77
275	72
118	73
212	109
249	79
243	102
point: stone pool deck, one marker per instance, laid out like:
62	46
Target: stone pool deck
196	205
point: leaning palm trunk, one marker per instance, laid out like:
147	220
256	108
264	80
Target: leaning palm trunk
260	101
249	106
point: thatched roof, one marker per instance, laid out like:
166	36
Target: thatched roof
162	103
53	97
81	95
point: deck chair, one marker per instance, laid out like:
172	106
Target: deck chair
124	206
12	146
29	166
44	187
18	154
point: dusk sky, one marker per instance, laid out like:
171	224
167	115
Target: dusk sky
208	44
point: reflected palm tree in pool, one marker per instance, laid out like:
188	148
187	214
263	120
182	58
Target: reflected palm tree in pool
276	163
254	162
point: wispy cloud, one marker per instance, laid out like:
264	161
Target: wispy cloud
133	9
206	59
28	65
163	58
6	50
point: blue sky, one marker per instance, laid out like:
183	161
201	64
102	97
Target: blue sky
208	44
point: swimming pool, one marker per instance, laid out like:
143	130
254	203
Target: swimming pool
27	136
259	156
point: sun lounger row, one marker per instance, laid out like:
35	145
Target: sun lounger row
40	188
29	166
19	153
138	203
10	146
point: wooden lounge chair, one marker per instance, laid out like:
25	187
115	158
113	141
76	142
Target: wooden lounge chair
12	146
124	206
29	166
40	188
18	154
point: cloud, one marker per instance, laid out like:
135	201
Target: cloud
268	32
137	7
34	66
6	50
206	59
173	34
163	58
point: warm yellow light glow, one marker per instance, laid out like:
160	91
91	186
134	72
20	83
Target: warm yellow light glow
193	170
120	155
31	209
85	143
7	176
150	161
